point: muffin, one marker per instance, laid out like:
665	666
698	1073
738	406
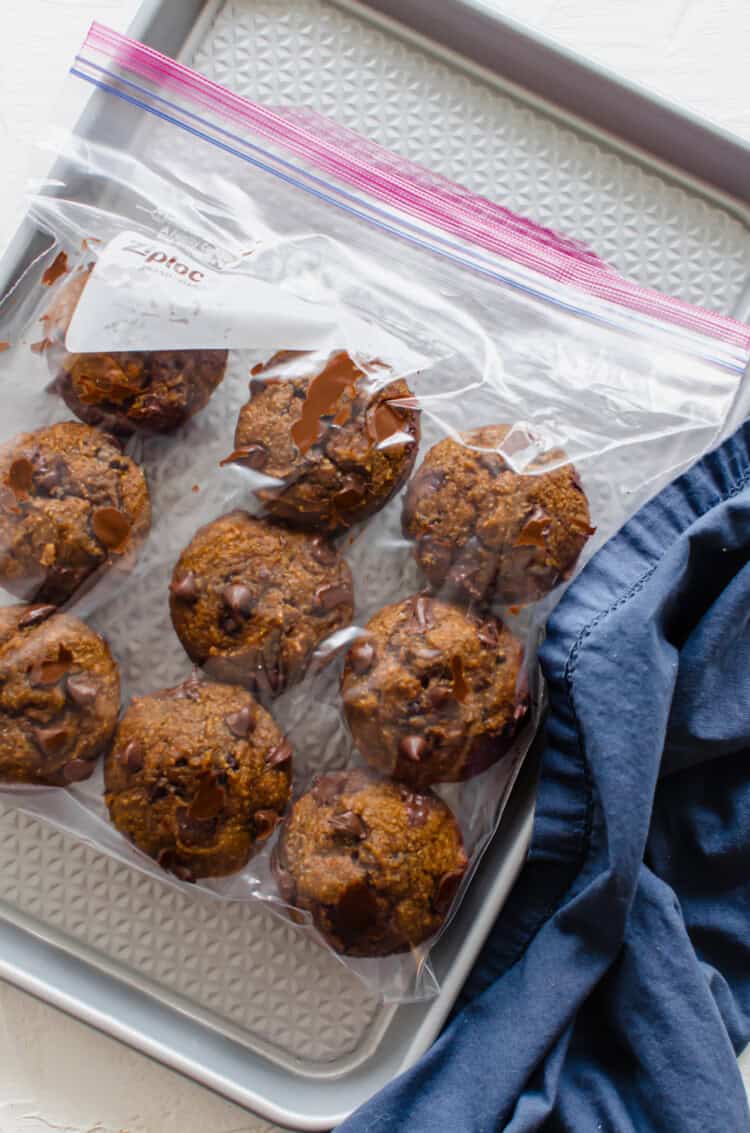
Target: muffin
338	446
485	533
375	864
197	777
150	391
433	693
59	696
71	503
251	600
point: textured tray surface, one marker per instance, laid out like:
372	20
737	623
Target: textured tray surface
236	966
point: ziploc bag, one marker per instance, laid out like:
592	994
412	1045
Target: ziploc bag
382	422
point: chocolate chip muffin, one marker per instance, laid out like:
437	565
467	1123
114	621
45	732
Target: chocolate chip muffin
251	600
59	696
70	503
151	391
433	694
339	446
375	864
483	532
197	777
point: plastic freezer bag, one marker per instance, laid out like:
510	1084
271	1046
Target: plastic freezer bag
300	444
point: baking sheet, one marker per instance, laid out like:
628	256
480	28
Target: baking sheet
252	999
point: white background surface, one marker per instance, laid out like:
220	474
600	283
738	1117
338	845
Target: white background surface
54	1072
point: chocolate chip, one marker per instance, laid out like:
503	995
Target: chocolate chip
413	748
361	657
488	635
257	385
350	495
535	531
238	598
417	808
52	740
348	823
355	912
423	612
327	788
323	552
439	696
242	722
50	672
209	800
195	830
111	527
267	680
21	476
328	597
284	880
185	588
133	756
81	691
168	860
265	822
280	755
447	889
35	615
78	770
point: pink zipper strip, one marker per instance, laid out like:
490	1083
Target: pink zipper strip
413	190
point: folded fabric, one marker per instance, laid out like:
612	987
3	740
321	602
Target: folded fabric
614	991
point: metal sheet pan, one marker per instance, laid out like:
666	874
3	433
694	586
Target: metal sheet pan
237	999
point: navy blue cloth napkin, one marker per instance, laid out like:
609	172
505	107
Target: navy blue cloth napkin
614	991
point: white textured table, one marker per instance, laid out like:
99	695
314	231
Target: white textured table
56	1073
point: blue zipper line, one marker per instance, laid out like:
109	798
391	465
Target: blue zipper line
258	149
361	215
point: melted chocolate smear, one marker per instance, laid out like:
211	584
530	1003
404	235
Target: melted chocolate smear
209	800
195	831
50	672
384	421
41	346
111	527
460	687
21	476
355	912
51	740
323	394
535	531
254	456
36	615
4	346
57	268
